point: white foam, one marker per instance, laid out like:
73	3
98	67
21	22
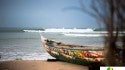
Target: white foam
62	30
37	56
86	35
32	31
68	30
31	56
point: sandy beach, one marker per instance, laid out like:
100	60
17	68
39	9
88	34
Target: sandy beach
39	65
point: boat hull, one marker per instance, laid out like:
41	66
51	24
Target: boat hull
75	61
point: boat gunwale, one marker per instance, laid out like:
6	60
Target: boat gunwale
72	47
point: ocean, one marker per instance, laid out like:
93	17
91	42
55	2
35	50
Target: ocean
28	46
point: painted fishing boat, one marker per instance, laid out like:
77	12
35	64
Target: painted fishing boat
73	53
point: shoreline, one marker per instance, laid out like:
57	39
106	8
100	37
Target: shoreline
39	65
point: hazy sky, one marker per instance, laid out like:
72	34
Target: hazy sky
43	13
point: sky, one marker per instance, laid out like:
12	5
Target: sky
44	14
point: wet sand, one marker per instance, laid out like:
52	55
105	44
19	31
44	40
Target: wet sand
39	65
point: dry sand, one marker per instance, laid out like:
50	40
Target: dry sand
39	65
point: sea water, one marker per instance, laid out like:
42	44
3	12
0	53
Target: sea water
28	46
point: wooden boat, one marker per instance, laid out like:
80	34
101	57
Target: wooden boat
73	53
